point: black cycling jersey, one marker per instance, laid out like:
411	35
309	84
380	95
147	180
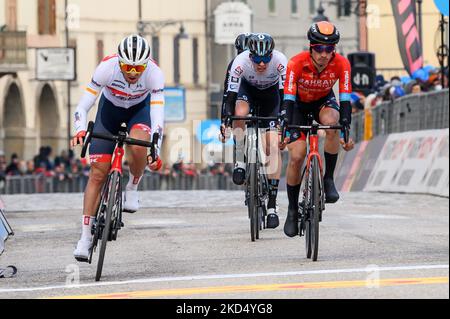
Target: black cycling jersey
225	87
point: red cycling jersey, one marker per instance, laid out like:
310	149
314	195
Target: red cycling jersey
303	79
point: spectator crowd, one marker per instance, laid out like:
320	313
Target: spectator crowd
426	79
66	166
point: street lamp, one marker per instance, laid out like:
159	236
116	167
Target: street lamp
320	14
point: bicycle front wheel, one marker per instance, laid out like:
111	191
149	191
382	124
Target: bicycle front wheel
112	193
316	208
253	202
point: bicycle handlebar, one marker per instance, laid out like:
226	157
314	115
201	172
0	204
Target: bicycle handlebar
253	118
324	127
115	138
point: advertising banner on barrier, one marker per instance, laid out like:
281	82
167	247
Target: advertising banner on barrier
368	162
354	168
412	162
438	173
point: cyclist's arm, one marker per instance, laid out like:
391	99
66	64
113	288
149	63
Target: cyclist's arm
93	90
345	89
290	89
233	88
157	103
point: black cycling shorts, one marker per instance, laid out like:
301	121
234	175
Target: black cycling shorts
108	121
301	110
267	102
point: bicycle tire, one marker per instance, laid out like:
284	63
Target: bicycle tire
316	208
262	195
252	205
307	213
112	192
96	229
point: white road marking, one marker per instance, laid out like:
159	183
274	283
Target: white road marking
59	227
378	216
231	276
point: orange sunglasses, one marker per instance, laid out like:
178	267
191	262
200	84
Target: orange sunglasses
130	68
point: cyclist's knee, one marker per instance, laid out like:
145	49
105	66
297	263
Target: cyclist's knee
242	108
99	173
297	155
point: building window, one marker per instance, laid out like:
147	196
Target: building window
47	17
100	51
272	6
294	7
11	15
176	60
344	8
155	48
312	7
195	59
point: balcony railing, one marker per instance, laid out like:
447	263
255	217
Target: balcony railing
13	51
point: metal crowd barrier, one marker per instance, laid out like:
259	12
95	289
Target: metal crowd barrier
415	112
41	184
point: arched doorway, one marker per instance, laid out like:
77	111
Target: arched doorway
48	126
13	123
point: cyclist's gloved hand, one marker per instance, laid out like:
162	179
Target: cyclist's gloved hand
347	145
225	130
156	165
284	140
78	139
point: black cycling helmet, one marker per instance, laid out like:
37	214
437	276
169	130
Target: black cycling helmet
323	32
241	42
261	44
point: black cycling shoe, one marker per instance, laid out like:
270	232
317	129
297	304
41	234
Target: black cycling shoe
273	221
331	194
239	176
291	224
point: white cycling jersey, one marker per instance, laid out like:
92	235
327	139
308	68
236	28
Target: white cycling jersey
109	80
243	68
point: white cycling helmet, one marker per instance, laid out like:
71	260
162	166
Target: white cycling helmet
134	50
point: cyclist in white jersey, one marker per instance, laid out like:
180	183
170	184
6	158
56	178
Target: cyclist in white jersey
257	81
131	86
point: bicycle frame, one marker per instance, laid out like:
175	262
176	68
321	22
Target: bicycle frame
313	149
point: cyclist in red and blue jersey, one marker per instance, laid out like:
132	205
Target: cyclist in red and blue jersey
310	78
131	90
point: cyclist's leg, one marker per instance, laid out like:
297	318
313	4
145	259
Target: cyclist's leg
269	106
100	157
297	154
139	126
242	109
329	115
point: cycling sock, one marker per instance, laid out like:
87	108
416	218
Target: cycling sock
273	192
293	195
330	163
133	183
86	227
240	150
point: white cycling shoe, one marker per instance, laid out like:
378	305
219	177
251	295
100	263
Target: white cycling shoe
131	202
83	250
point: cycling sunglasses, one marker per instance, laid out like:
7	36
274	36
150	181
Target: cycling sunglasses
130	68
320	48
258	59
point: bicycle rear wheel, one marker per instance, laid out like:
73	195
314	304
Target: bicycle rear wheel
112	193
253	202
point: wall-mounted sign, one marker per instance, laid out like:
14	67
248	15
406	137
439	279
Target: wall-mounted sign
175	104
231	19
56	64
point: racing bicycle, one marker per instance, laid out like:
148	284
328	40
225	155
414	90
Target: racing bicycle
109	212
257	185
312	202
